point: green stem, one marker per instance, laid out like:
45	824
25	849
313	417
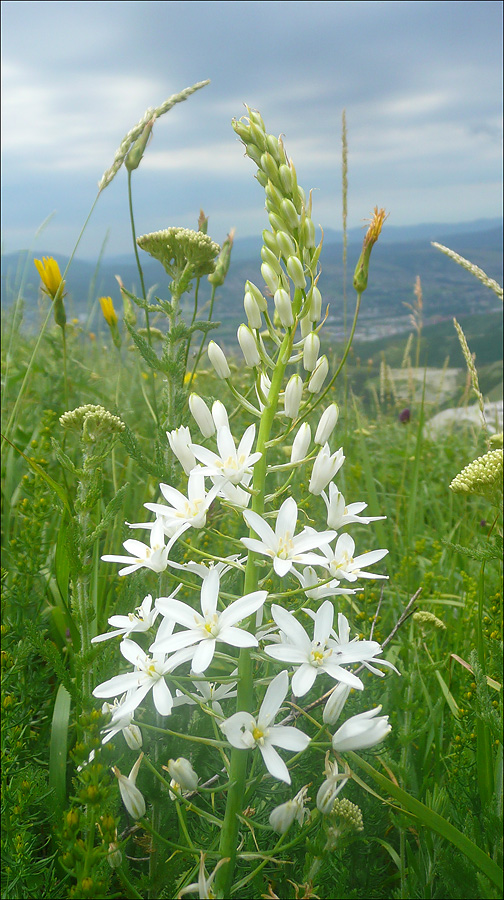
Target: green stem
202	344
245	692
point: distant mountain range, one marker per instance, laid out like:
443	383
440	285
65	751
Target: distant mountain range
401	254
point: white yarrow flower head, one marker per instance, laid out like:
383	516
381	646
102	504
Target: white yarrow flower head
362	731
284	547
141	620
282	817
203	630
154	556
313	657
245	732
331	787
131	796
339	514
325	468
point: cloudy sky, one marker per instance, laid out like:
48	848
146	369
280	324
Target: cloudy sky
420	82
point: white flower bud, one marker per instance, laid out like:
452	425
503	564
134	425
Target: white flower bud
335	703
180	440
286	178
311	349
202	415
315	308
362	731
252	311
301	443
293	394
270	277
319	375
324	469
283	307
306	326
183	773
258	297
296	271
248	347
308	232
218	360
131	796
327	424
285	244
269	239
282	817
219	415
330	788
133	737
114	855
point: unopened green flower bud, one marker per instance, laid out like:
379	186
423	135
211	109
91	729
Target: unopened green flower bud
258	136
275	148
268	165
276	222
256	118
252	150
285	244
241	129
137	151
311	349
308	233
296	272
269	241
202	222
288	212
268	257
218	276
361	273
262	178
286	178
273	195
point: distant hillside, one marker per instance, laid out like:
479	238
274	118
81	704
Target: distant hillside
448	290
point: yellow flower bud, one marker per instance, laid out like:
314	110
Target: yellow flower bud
360	278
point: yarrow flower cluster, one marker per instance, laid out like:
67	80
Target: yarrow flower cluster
213	646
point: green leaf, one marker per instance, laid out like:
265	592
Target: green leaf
480	551
58	489
61	561
433	820
145	349
58	746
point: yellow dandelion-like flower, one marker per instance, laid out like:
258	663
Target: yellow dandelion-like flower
50	276
107	308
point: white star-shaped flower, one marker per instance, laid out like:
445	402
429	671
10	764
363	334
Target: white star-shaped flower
245	732
209	626
185	512
312	656
282	545
341	562
152	557
148	675
339	514
141	620
230	463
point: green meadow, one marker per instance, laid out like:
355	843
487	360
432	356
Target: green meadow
420	814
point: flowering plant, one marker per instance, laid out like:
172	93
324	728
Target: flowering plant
243	623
